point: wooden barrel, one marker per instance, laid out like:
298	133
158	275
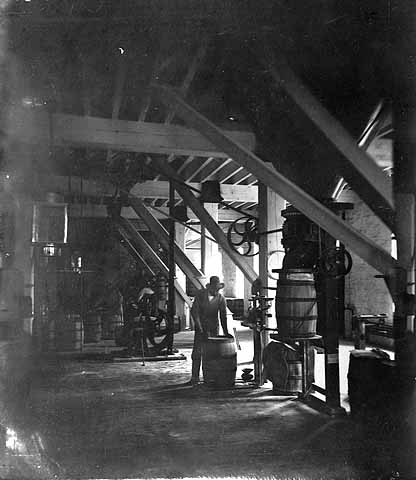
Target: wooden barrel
219	362
110	322
296	308
92	328
69	332
283	367
365	375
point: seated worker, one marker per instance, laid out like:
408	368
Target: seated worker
208	303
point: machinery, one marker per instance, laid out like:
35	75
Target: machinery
145	320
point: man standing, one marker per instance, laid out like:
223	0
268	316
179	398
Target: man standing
207	304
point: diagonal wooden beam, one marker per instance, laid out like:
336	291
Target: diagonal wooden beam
369	134
194	275
190	74
128	244
364	247
199	169
231	174
186	83
359	169
118	94
209	223
188	161
128	232
210	174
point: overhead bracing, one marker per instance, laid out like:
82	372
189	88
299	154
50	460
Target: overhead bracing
206	220
364	247
359	169
130	234
195	276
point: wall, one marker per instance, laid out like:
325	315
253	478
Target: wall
368	295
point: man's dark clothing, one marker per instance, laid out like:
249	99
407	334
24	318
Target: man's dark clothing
206	311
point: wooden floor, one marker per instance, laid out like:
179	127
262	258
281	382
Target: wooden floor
89	418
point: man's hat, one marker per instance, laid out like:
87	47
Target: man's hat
214	282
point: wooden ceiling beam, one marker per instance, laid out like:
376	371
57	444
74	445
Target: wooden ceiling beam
242	179
160	189
209	175
186	83
187	162
71	130
358	168
364	247
204	164
231	174
90	210
118	95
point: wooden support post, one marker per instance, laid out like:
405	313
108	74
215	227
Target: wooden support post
172	269
180	276
270	206
328	308
229	270
211	259
404	181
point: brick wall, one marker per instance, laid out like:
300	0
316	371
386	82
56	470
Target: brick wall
368	295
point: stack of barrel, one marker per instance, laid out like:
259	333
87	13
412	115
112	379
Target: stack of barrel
69	332
296	316
92	327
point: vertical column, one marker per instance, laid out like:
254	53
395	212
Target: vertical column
229	271
404	181
328	307
271	205
172	267
211	256
247	284
23	256
180	276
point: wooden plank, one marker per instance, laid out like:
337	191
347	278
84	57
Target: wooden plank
364	247
195	276
122	135
207	221
160	189
118	94
147	189
91	210
371	183
127	230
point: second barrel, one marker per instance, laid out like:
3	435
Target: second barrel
219	362
296	308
